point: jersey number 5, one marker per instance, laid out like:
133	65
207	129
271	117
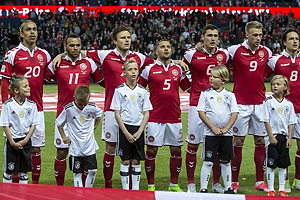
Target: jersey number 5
167	84
32	71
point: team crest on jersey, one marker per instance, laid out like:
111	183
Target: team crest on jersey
82	118
192	137
3	68
271	161
108	135
219	57
58	141
28	111
83	66
21	113
209	154
77	165
175	72
280	110
11	166
132	97
219	99
40	57
261	54
235	129
151	139
132	58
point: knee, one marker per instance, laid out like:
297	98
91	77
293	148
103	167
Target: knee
61	154
208	163
135	162
225	163
35	149
239	141
110	148
92	172
259	140
175	149
125	162
152	149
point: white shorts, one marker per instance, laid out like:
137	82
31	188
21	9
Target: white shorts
195	127
110	127
296	131
38	136
159	134
58	141
248	121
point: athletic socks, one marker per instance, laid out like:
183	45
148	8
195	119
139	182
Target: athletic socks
205	174
217	172
108	167
297	165
7	178
270	178
15	178
259	159
175	166
124	172
90	178
150	167
236	162
84	175
59	170
23	178
136	173
281	177
77	179
36	167
190	163
226	174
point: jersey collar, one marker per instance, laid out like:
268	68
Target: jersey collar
247	46
69	59
21	45
286	54
205	51
163	65
120	55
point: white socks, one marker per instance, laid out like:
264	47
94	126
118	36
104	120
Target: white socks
90	179
124	172
226	174
205	174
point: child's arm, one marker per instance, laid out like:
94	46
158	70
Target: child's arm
137	134
230	123
208	123
273	140
97	121
128	136
66	140
9	137
28	136
289	140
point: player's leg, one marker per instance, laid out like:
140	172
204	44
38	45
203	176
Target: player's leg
296	183
76	165
173	138
25	162
38	140
10	158
154	139
194	138
23	178
110	131
136	174
271	161
257	128
90	163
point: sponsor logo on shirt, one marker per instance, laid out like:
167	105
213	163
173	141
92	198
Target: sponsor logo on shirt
287	64
159	72
115	59
64	66
201	57
23	58
245	54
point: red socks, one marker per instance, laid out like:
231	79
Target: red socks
59	170
108	168
259	159
150	167
36	167
175	166
216	171
297	165
236	163
15	178
190	163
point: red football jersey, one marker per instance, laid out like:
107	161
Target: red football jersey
164	82
32	65
112	63
69	75
249	73
284	64
200	64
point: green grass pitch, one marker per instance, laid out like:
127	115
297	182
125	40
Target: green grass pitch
247	174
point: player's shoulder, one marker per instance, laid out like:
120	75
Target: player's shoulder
223	50
121	86
8	101
228	91
207	90
268	99
43	51
141	87
12	52
289	101
92	104
69	105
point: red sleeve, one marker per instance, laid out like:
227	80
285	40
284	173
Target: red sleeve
185	84
4	89
93	54
148	61
143	82
98	77
268	72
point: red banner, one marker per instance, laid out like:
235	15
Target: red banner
24	10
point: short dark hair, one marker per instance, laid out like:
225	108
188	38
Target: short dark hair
22	26
163	40
209	27
72	35
284	35
119	29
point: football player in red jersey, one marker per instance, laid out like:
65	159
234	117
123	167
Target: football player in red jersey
30	61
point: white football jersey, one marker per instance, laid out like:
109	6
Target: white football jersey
218	107
131	103
80	125
278	114
18	117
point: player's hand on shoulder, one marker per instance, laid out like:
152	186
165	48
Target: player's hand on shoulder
273	140
183	65
57	60
199	46
66	140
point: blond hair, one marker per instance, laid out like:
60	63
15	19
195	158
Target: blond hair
220	72
128	62
253	24
285	82
82	93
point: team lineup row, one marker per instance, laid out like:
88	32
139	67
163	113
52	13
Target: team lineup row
249	61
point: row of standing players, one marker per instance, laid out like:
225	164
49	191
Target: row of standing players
249	60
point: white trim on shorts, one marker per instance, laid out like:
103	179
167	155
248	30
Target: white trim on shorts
38	136
167	134
195	127
248	121
110	127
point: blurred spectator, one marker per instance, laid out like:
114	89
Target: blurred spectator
3	13
33	16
